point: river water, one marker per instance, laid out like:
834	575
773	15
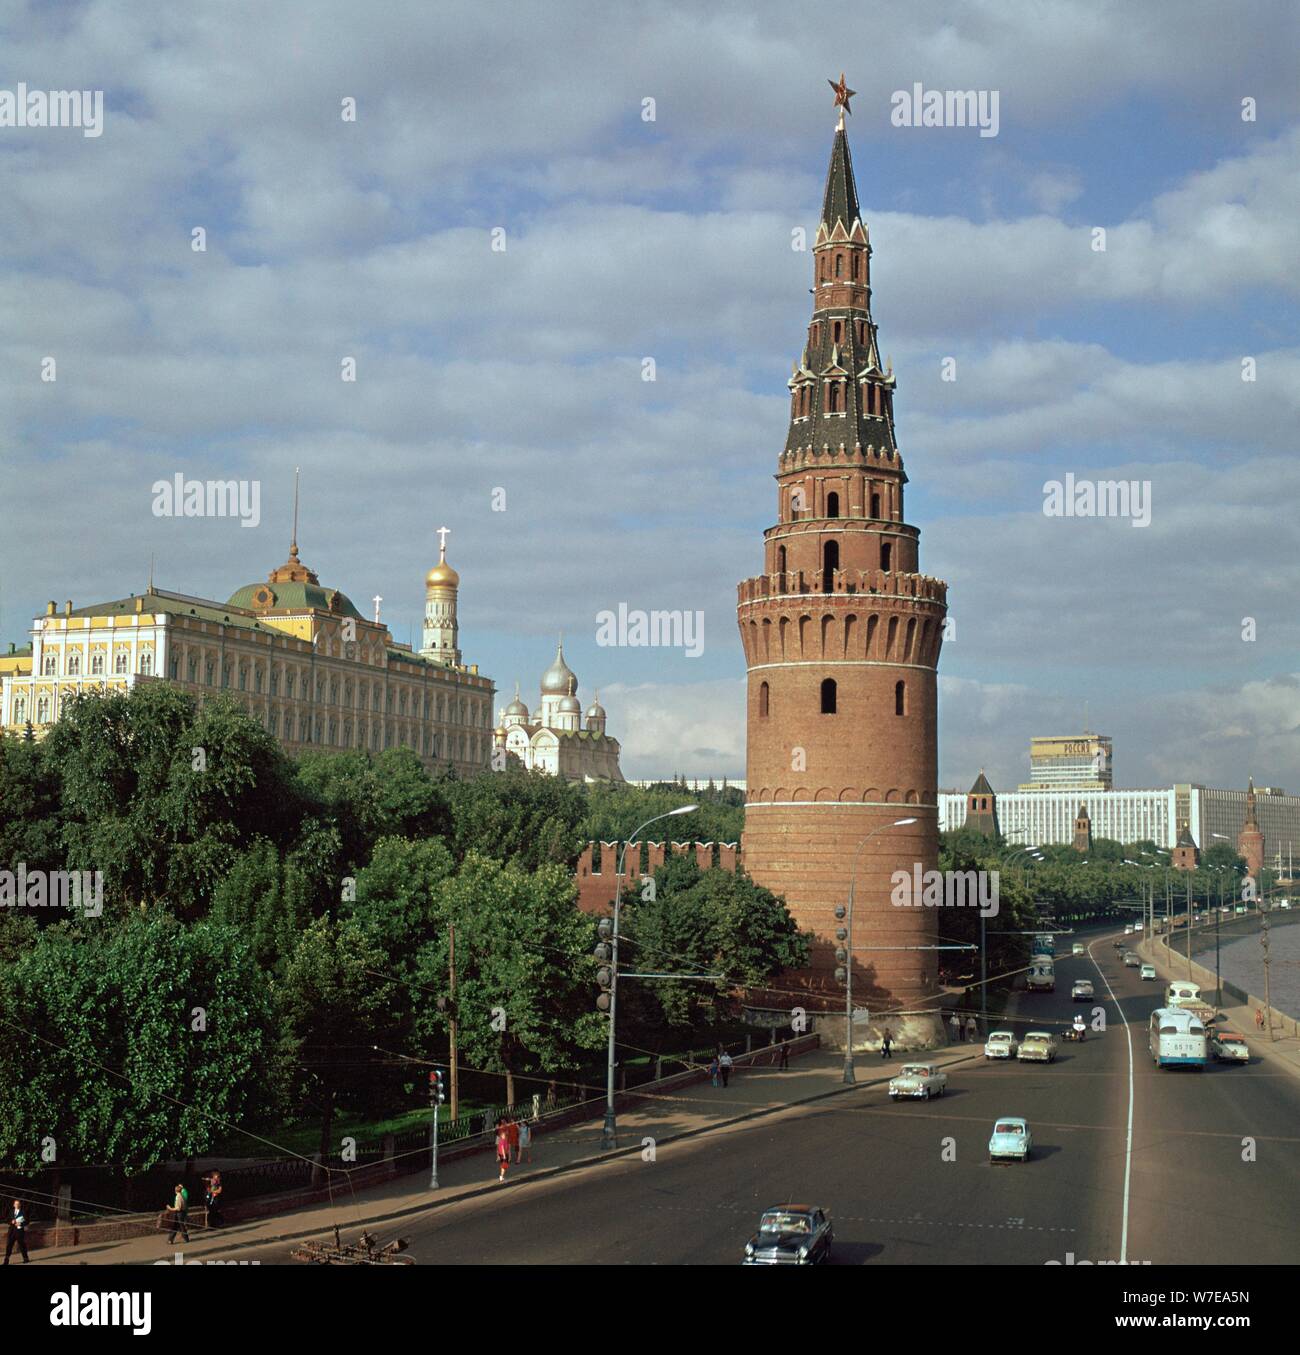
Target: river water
1242	962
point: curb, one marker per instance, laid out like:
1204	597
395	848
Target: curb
545	1173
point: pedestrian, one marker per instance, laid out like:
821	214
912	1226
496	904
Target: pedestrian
1259	1018
972	1030
179	1210
785	1054
525	1152
503	1152
954	1025
885	1041
512	1133
724	1063
213	1199
713	1070
17	1233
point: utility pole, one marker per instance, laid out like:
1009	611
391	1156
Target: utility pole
1189	924
451	978
1268	995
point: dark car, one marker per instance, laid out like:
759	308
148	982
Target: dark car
791	1235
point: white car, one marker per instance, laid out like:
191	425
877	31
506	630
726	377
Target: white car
1001	1044
1011	1138
1078	948
1148	971
1038	1046
918	1079
1132	959
1082	991
1229	1048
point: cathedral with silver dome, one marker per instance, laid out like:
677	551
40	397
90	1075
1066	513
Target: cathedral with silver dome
555	739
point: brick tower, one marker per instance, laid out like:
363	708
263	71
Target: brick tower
1250	841
1082	831
982	807
841	636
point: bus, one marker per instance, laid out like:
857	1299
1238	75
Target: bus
1177	1039
1041	976
1180	993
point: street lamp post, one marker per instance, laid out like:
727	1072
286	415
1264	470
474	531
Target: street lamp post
848	961
609	1131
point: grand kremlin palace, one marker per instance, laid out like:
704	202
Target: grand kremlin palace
298	656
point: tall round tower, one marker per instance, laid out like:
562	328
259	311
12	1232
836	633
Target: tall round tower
441	629
841	636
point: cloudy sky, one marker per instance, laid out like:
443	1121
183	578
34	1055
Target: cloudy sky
521	369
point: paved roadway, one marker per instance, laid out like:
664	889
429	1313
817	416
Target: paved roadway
1184	1190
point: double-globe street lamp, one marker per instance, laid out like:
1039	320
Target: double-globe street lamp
609	1131
847	938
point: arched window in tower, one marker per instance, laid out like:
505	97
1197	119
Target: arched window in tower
837	331
857	259
832	505
830	563
828	696
900	698
763	700
833	397
886	557
875	505
839	265
780	559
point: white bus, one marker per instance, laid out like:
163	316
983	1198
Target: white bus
1041	977
1177	1039
1180	993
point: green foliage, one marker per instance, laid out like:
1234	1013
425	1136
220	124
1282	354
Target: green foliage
516	815
614	811
31	826
103	1051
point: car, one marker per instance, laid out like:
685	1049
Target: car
1132	959
791	1235
1010	1138
1148	971
1082	991
1038	1046
918	1079
1001	1044
1226	1047
1078	948
1128	929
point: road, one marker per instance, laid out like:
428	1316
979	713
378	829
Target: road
1181	1193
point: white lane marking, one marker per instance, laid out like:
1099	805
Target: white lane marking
1128	1133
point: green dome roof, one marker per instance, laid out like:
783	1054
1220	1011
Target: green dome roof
294	597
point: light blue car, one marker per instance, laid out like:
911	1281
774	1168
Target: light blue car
1011	1138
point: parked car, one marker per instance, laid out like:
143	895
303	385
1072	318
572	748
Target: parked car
1225	1047
1038	1046
1081	991
1078	948
918	1079
1148	971
1011	1138
1132	960
1001	1044
791	1235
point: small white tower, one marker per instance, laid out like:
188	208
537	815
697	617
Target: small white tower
441	631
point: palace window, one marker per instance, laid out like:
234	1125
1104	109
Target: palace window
74	664
50	665
97	665
273	722
275	681
207	669
175	667
225	675
828	696
257	678
243	677
119	663
43	710
146	663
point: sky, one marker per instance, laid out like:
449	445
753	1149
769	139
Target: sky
507	238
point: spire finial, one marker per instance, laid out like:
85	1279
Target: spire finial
443	534
293	541
842	96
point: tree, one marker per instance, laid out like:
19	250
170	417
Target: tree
523	816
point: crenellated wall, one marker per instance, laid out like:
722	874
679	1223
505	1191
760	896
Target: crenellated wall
597	879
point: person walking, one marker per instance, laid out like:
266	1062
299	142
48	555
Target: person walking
724	1063
1259	1018
512	1133
785	1055
713	1070
972	1030
885	1041
954	1025
17	1233
503	1153
525	1151
213	1199
179	1210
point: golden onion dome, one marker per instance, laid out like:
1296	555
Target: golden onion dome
442	575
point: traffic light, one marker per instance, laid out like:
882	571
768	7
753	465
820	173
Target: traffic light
437	1092
603	954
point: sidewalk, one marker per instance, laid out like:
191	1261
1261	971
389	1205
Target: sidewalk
693	1110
